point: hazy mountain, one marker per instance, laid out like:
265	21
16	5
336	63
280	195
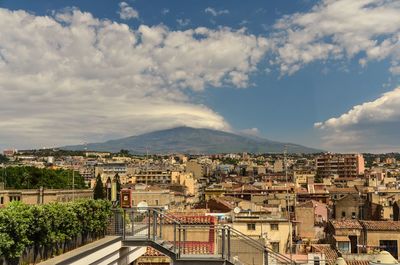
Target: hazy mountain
193	141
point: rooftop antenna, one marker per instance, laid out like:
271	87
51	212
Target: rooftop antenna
73	184
147	164
287	203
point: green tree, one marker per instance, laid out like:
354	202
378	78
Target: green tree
50	227
3	159
124	152
98	191
14	224
33	178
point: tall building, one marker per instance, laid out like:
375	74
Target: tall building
343	165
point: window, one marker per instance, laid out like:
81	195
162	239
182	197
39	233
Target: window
15	198
316	261
156	202
390	246
1	200
274	227
251	226
343	247
353	215
343	214
275	246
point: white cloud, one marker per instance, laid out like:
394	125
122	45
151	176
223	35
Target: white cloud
183	22
65	80
371	126
251	131
339	29
214	12
127	12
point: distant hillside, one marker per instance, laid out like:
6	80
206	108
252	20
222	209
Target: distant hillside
193	141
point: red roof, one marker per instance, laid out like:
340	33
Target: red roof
190	219
346	224
381	225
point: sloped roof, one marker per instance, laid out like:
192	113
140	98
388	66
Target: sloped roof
346	224
357	262
345	190
330	254
381	225
310	204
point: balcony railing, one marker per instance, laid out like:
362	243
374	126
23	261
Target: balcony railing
194	237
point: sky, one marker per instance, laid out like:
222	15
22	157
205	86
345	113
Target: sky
324	74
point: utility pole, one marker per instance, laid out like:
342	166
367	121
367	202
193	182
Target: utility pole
147	164
287	204
73	184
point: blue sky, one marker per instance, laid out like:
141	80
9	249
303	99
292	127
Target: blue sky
297	71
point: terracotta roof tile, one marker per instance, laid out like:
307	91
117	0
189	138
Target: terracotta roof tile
310	204
151	252
190	219
343	190
381	225
357	262
346	224
330	254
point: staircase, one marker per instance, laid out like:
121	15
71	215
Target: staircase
198	243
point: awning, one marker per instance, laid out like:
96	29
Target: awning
341	238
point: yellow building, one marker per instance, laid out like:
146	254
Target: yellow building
274	231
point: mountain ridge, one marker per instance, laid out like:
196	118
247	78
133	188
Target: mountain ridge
190	140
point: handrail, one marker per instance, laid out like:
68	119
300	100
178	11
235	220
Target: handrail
259	245
155	217
167	216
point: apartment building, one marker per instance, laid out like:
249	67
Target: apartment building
153	176
343	165
109	170
273	230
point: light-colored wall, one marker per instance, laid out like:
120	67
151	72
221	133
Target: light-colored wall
305	225
263	230
373	237
33	196
347	205
163	198
195	168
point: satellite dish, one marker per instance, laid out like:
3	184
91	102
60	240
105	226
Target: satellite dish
142	206
237	210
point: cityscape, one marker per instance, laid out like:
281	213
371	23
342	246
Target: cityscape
200	132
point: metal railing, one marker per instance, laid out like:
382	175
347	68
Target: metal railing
178	238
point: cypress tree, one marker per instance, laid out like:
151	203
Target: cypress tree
98	191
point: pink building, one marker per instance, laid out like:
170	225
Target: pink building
343	165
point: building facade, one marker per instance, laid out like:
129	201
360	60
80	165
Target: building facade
343	165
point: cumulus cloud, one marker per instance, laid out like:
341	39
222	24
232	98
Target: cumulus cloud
214	12
372	126
64	79
127	12
339	29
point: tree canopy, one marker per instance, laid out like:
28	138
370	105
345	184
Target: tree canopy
48	225
33	178
3	159
98	191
